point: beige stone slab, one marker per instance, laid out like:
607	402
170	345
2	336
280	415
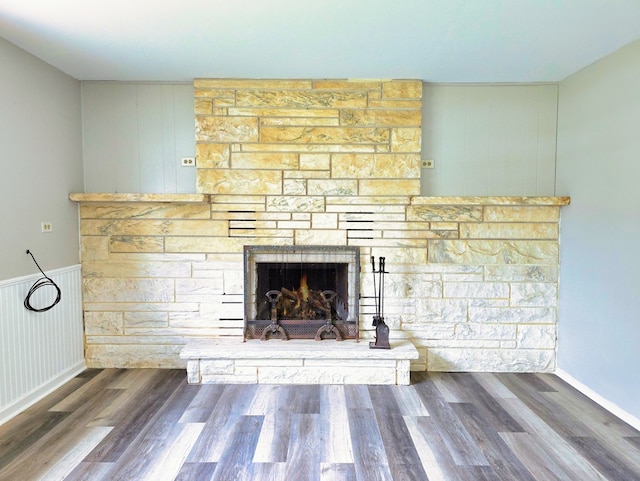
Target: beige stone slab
381	243
203	106
405	139
283	113
259	233
349	202
103	323
252	224
332	187
136	197
365	215
94	248
364	166
308	148
324	221
140	306
402	89
135	269
294	186
491	360
300	99
349	84
144	210
381	117
147	320
481	252
226	129
301	121
320	237
236	199
491	201
204	92
513	315
226	181
299	348
223	83
522	213
450	213
212	156
128	356
394	104
217	244
152	227
127	290
509	230
325	135
306	174
389	187
259	161
315	161
295	203
527	273
130	244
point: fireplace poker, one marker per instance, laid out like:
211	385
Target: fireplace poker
382	330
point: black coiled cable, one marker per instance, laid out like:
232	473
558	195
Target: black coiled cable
42	282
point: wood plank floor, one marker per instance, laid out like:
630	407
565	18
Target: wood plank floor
148	424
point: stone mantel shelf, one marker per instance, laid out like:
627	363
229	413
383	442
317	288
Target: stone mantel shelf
110	197
415	200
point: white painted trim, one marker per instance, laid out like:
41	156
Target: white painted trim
19	405
594	396
38	275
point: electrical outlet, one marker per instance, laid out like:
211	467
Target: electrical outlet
428	164
188	161
46	226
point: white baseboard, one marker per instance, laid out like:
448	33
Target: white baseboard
594	396
36	395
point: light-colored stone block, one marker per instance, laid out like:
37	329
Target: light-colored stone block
493	252
212	156
226	129
227	181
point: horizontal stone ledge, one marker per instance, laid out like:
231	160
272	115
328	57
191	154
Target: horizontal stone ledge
491	200
294	349
111	197
413	200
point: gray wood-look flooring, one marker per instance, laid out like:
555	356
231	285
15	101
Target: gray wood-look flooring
148	424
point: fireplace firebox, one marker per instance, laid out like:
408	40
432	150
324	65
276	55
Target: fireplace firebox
301	292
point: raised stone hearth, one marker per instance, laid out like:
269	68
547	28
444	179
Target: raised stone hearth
297	362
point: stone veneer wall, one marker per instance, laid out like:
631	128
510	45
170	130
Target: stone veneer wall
473	282
304	139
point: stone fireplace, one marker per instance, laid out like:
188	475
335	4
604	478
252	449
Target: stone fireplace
301	292
297	164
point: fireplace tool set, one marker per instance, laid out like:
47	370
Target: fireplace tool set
382	330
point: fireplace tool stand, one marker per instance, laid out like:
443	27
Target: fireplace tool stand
274	296
382	330
329	327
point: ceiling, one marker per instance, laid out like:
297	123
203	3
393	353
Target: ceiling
438	41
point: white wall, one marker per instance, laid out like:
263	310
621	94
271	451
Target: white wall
135	135
489	139
41	160
599	167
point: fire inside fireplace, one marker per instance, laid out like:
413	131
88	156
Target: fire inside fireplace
308	292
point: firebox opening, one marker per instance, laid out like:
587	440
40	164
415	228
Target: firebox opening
306	290
302	292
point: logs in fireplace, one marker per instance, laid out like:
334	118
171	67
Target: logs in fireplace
308	292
